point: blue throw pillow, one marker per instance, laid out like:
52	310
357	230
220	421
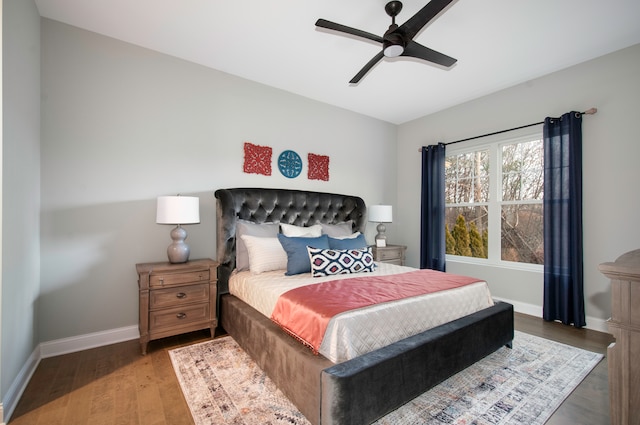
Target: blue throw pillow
297	255
348	243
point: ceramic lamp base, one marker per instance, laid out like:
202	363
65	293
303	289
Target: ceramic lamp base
178	251
381	238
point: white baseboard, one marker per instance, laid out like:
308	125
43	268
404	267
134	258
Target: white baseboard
85	342
593	323
56	348
13	394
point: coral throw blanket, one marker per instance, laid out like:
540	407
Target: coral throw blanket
305	312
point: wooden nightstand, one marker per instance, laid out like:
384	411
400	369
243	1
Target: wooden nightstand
176	298
393	254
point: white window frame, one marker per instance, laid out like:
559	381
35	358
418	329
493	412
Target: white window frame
493	144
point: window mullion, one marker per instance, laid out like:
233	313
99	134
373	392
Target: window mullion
495	184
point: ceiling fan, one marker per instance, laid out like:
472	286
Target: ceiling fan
398	40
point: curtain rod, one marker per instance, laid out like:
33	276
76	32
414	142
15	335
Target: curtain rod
589	111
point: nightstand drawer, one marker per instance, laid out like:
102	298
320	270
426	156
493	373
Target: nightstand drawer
396	261
389	254
168	279
176	296
178	316
393	254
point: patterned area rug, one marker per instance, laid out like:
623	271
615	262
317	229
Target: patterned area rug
523	385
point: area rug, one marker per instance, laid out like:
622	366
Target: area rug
523	385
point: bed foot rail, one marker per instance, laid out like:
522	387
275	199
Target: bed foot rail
362	390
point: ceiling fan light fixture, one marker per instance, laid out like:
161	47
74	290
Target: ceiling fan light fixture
392	44
393	50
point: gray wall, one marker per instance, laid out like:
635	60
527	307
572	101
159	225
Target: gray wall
122	125
611	150
20	187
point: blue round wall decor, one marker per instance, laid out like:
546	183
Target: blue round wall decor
290	164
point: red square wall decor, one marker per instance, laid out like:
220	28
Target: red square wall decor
257	159
318	167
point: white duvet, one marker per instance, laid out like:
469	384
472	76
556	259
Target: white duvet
357	332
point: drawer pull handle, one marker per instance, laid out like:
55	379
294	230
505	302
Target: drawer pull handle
161	281
200	277
181	315
181	295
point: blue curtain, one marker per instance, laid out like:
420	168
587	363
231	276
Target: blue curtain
563	266
432	238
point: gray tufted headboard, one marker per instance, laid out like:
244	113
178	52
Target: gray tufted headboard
298	207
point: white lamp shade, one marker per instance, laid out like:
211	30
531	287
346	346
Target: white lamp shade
178	210
381	213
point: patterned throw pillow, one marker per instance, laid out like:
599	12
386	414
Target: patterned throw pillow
327	262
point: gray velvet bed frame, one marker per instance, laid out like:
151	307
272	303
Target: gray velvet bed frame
363	389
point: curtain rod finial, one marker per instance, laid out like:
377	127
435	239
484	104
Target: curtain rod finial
591	111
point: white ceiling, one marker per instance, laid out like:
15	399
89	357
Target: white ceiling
498	43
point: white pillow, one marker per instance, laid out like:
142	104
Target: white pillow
351	236
265	254
337	230
243	227
298	231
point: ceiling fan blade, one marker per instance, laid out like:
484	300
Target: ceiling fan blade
323	23
419	51
421	18
366	68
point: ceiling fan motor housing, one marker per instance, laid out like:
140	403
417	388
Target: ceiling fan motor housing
393	45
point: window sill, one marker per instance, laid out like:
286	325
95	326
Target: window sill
539	268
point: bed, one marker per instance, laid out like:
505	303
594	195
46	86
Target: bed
363	388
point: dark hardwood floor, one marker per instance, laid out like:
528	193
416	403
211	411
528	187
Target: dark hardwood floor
116	385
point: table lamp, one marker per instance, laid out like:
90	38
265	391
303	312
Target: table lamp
381	214
178	210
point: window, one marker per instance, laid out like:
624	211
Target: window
493	197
